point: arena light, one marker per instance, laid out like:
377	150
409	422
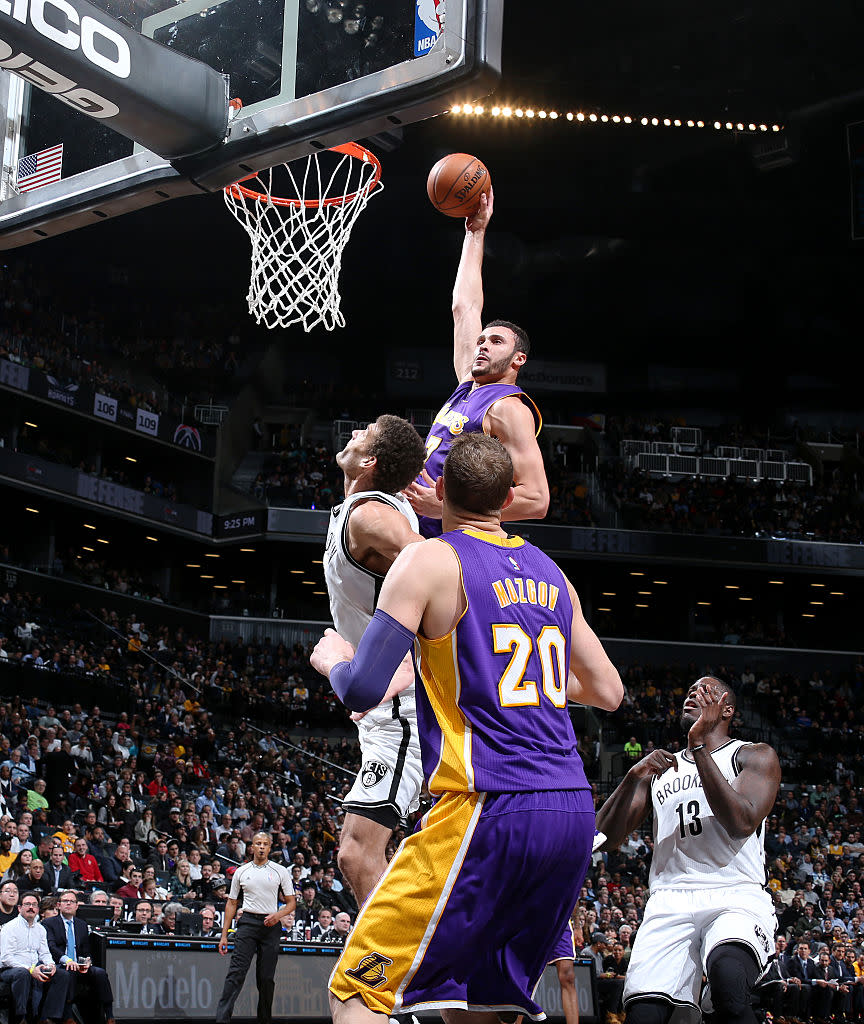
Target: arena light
807	615
219	586
249	550
608	593
322	593
238	581
309	583
817	602
193	565
660	583
27	508
604	609
27	423
777	583
317	561
745	598
101	540
837	593
84	548
604	117
210	555
130	459
296	572
204	576
644	593
641	605
731	586
704	604
154	539
637	573
818	584
89	526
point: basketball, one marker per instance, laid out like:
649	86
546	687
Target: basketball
455	184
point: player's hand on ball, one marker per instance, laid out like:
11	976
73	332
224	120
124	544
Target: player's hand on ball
479	219
656	763
710	704
329	651
423	498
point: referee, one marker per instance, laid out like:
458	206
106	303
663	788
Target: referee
258	930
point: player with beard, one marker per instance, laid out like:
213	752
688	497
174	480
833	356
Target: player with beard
709	910
487	363
367	531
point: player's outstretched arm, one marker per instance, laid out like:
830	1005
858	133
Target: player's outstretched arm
512	422
468	289
593	679
627	807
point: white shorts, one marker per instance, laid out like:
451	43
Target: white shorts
678	932
387	787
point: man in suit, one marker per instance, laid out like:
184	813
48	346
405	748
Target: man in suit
780	990
209	928
826	983
800	969
69	944
58	874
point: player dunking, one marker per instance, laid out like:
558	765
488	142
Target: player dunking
487	363
709	911
367	531
503	644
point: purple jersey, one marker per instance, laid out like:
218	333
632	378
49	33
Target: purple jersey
463	413
492	713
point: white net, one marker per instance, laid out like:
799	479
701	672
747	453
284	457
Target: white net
298	237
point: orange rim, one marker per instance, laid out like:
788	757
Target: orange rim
353	149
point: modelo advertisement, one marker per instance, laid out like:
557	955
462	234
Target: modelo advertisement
176	983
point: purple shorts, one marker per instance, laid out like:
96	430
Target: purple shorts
564	948
461	917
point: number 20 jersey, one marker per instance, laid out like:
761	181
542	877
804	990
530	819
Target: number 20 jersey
692	850
492	712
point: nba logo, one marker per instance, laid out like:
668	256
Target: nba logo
428	22
514	563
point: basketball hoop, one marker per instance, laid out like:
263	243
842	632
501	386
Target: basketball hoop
298	238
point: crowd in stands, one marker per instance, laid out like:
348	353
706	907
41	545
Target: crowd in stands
67	451
831	509
300	475
130	352
270	680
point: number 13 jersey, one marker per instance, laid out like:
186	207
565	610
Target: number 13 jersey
492	712
692	850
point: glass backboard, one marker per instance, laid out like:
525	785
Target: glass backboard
310	74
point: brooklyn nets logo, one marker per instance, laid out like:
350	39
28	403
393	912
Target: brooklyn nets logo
372	773
370	970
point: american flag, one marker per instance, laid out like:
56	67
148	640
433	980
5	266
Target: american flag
40	168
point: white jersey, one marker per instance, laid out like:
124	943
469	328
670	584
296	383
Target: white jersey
692	850
354	589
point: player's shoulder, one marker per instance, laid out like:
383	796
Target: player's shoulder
754	755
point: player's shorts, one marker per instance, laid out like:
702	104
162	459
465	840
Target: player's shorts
387	787
461	917
565	947
682	926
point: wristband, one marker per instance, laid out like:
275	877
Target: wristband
698	746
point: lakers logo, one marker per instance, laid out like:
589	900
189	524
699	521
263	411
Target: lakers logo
370	970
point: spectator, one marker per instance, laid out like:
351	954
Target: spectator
37	988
